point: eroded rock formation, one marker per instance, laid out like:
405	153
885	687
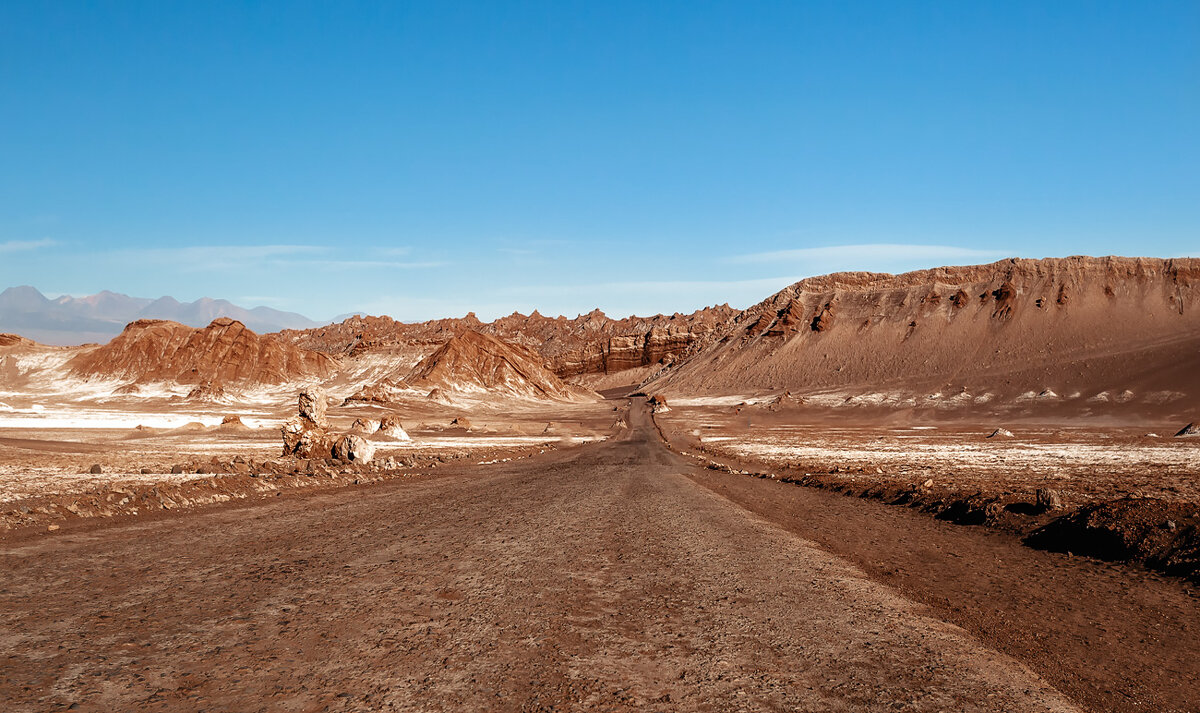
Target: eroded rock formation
306	435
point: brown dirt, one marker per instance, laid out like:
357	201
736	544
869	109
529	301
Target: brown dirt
1117	494
600	578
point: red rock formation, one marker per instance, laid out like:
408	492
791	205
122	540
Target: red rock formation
480	363
1058	326
224	353
13	340
589	344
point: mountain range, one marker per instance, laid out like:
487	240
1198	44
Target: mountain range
70	320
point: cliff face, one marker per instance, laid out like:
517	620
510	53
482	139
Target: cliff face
223	353
1065	326
588	344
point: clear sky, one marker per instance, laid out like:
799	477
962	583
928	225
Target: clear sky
426	159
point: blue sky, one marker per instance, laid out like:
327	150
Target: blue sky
426	159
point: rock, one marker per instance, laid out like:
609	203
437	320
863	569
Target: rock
304	439
313	403
307	434
391	428
233	423
1188	431
658	404
1001	433
51	528
365	425
95	469
824	319
207	391
176	470
353	448
461	422
927	484
1048	499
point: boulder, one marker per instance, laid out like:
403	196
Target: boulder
1048	499
365	425
353	448
303	439
313	403
391	428
1001	433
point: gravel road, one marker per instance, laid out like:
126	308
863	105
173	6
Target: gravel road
596	578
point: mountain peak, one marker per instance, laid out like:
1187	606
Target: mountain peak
99	317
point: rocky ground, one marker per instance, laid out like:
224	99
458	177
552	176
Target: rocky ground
613	576
1118	492
59	464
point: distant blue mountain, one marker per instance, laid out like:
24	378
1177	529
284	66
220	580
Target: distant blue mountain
100	317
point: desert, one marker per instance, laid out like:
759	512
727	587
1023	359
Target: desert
1075	465
621	357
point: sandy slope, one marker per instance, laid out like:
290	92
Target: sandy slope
1092	335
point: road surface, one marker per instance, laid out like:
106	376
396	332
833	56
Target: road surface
596	578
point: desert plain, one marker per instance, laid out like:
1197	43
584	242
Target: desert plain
967	488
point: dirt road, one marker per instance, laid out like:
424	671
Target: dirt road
599	578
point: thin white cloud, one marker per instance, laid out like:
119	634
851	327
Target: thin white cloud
207	258
15	246
872	253
359	264
653	287
213	257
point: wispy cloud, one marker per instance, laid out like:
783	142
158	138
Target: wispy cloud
362	264
206	258
15	246
872	252
655	287
214	257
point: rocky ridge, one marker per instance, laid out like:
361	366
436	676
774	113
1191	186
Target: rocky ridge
225	353
1051	329
588	344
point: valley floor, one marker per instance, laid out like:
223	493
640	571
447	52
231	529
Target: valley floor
611	576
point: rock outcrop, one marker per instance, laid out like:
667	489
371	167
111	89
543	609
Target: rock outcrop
475	363
391	428
366	426
306	435
592	343
223	354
